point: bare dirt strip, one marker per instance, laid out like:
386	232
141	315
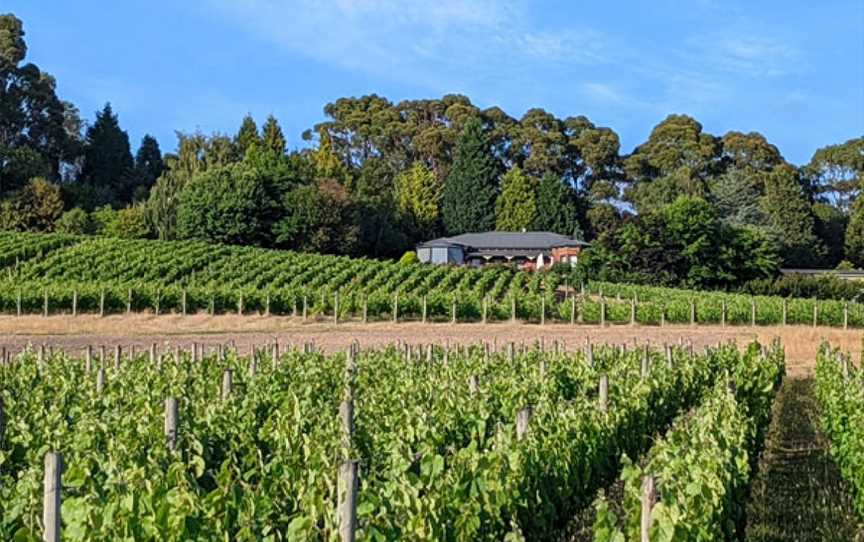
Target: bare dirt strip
68	332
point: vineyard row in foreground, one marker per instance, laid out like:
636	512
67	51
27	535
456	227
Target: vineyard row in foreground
424	443
840	389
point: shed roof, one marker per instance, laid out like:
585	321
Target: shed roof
505	240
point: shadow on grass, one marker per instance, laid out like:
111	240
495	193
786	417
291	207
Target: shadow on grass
798	493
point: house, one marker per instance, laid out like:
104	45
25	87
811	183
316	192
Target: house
530	250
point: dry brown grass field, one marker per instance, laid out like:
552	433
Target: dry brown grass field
64	331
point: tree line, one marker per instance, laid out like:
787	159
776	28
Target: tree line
684	207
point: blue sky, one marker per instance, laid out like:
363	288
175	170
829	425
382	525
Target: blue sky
793	70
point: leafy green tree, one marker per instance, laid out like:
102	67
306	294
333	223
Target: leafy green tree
128	223
837	172
327	163
516	207
556	208
678	158
418	199
790	219
38	205
75	221
247	135
108	165
602	218
684	244
831	230
196	153
855	234
225	204
272	137
468	200
735	194
318	218
409	258
38	131
161	206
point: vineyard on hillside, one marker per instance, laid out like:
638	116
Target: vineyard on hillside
52	274
427	443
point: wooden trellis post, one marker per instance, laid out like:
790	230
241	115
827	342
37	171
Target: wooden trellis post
227	383
424	310
100	381
846	316
692	312
648	498
602	311
513	309
51	497
75	302
395	308
129	302
785	310
102	303
646	363
483	310
572	310
604	393
183	303
815	313
2	414
723	313
335	308
45	304
753	312
347	496
543	310
305	308
633	311
453	311
662	315
365	309
473	384
18	303
171	417
523	420
240	305
590	353
267	305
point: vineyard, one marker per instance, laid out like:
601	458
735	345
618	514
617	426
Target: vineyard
427	443
50	274
840	389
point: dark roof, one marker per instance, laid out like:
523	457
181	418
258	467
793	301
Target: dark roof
505	240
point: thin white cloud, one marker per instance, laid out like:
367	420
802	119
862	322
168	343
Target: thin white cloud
438	45
754	57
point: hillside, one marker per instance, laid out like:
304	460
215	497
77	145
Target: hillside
52	273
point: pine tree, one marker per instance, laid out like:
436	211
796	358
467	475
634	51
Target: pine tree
246	136
556	208
272	136
516	207
148	163
468	201
790	218
108	163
